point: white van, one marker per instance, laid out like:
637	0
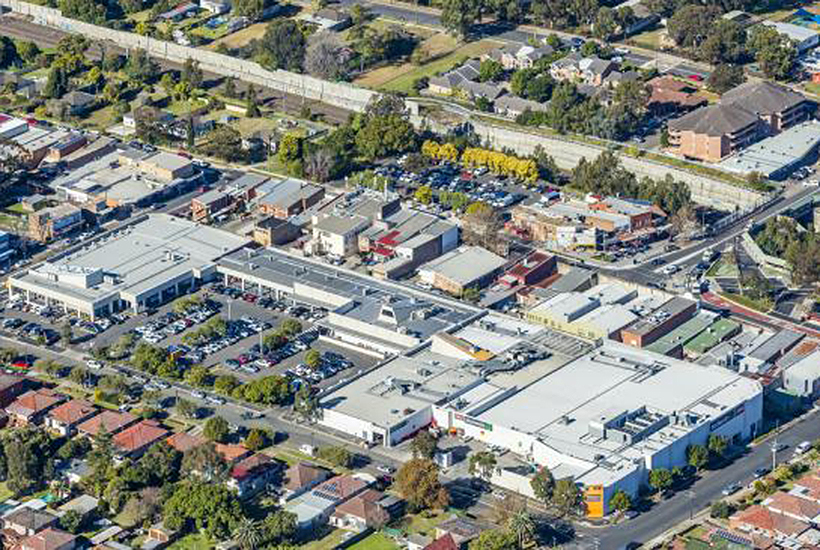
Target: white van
802	448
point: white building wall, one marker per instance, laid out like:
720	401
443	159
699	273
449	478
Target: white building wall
357	427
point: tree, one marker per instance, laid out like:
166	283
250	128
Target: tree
424	194
306	404
690	24
71	521
724	77
482	465
322	56
186	408
697	456
620	501
424	445
28	51
291	327
216	429
252	103
336	455
660	479
775	53
481	226
56	84
494	539
313	359
606	23
230	86
321	164
717	445
386	129
8	53
279	527
248	534
490	70
725	42
84	10
161	464
205	461
282	46
192	73
567	496
26	454
522	525
225	143
140	67
457	16
721	510
203	506
256	440
543	485
417	481
66	333
252	9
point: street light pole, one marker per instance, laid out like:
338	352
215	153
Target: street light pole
230	301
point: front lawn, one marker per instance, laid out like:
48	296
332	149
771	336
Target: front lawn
376	541
192	542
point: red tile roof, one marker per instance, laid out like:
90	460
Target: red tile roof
255	464
303	474
72	412
809	486
761	518
363	506
340	487
792	505
231	453
33	402
48	539
113	422
139	435
443	543
184	441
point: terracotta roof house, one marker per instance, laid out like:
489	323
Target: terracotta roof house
50	539
670	95
110	421
793	506
252	474
760	520
10	387
714	132
184	442
232	453
134	441
443	543
32	406
778	106
64	418
361	512
807	487
302	477
463	530
27	521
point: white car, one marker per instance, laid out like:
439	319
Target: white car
94	364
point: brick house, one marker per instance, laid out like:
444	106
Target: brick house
32	406
65	418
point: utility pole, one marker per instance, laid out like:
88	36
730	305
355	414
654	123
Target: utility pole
691	495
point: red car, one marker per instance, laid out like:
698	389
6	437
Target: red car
695	77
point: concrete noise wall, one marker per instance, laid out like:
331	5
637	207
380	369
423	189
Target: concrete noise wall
334	93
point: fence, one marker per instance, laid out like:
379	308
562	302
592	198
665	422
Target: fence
334	93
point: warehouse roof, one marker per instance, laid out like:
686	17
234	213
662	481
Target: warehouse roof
660	315
465	264
714	334
774	155
681	335
608	318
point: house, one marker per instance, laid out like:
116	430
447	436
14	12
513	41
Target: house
22	86
32	406
65	418
453	80
316	506
462	530
793	506
714	132
78	103
54	222
474	90
27	521
591	71
159	536
111	422
216	7
758	519
338	235
134	441
180	12
671	95
804	38
10	387
443	543
361	512
253	474
643	16
519	56
302	477
329	19
779	107
184	442
232	453
513	106
84	505
148	114
49	539
75	471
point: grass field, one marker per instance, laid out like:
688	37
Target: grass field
192	542
649	39
400	78
376	541
758	305
240	38
101	118
328	542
